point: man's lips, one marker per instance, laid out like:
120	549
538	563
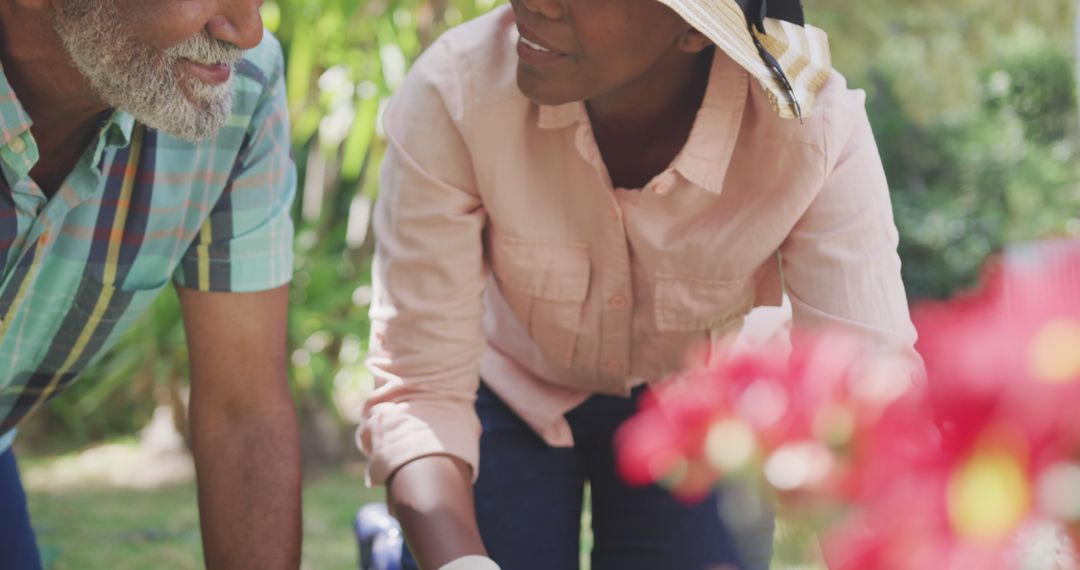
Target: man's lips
212	73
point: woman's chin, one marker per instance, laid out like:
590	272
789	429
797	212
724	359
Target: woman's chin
543	93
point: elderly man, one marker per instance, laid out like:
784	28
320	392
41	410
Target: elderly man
143	141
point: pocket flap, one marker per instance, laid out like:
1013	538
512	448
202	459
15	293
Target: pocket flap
550	270
691	304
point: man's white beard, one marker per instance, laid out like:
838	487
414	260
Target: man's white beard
145	81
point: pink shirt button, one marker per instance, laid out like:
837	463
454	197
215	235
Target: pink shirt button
618	302
613	365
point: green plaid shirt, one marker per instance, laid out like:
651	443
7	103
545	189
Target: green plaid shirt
141	208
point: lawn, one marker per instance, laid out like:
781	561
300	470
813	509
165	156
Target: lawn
83	524
98	528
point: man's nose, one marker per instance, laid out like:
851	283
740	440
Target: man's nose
237	22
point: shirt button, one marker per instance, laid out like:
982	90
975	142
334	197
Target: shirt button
663	189
17	145
618	302
613	365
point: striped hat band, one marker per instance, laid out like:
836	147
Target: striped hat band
771	41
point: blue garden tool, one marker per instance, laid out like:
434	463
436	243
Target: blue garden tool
379	537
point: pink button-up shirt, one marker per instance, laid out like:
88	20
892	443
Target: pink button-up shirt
505	253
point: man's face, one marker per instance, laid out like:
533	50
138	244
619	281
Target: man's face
156	59
575	50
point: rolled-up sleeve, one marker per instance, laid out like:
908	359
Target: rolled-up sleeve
840	263
428	278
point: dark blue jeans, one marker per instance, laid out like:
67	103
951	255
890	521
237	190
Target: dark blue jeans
18	548
529	499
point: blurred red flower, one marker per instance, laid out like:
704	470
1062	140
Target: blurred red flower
940	475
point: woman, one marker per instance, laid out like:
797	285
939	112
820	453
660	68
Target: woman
575	194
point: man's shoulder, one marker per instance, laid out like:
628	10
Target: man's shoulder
257	74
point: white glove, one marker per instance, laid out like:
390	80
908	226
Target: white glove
471	562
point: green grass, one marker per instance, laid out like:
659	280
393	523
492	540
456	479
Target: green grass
96	528
124	529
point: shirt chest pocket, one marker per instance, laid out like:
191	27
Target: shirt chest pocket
545	283
692	304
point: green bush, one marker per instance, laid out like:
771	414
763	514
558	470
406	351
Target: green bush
977	137
1006	172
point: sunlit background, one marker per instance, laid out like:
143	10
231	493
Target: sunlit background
974	107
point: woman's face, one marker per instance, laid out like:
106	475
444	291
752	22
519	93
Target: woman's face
578	50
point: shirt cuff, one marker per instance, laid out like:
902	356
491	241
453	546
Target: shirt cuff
394	434
471	562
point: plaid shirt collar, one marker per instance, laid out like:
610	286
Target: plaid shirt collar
15	123
13	118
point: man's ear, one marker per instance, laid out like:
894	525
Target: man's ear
692	41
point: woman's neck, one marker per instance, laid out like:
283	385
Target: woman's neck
643	126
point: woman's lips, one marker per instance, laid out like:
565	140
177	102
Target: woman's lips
535	51
212	73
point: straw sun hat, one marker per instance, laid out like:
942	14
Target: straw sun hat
772	41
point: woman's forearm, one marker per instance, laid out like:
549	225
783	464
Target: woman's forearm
432	498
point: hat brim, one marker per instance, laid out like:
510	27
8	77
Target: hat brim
801	51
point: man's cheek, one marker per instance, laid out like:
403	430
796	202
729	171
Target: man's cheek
164	28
